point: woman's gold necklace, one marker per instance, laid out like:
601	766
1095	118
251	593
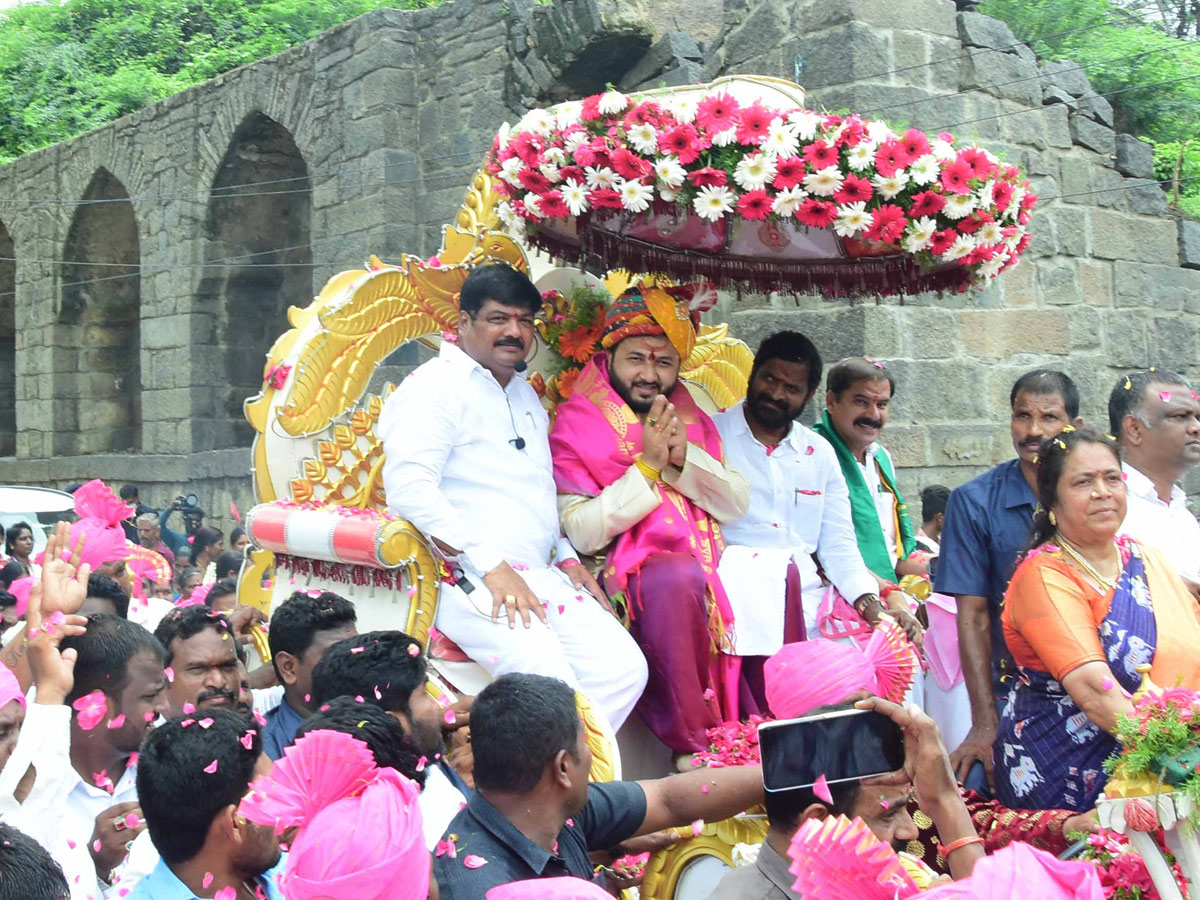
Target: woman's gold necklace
1107	583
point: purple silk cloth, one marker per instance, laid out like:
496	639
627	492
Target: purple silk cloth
671	626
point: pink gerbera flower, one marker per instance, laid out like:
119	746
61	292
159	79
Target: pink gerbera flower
890	158
708	177
974	222
915	143
887	225
629	165
853	132
755	123
572	173
854	190
820	155
956	177
591	108
647	113
682	141
926	203
605	198
527	146
533	180
816	213
981	167
1002	193
754	205
717	113
789	172
942	241
553	206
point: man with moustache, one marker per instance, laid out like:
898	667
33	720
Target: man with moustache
468	463
988	523
641	475
798	524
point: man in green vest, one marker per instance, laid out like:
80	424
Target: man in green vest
857	398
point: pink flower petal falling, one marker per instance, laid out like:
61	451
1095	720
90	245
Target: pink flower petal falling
116	722
189	708
821	790
132	821
1106	683
169	674
449	718
471	861
247	740
1164	396
225	893
211	767
207	880
697	827
91	709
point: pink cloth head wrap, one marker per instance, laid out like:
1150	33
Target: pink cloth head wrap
562	888
360	831
100	513
1020	870
10	689
809	674
21	588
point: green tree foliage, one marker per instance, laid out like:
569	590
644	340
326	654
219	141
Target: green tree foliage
67	66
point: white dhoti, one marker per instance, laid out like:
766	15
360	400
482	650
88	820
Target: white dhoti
582	645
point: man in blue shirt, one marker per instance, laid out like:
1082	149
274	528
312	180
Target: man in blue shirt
190	781
534	814
987	527
304	626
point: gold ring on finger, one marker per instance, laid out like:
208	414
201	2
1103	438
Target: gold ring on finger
510	600
653	423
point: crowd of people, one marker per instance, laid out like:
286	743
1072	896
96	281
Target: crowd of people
696	571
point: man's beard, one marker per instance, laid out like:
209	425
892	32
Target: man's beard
625	391
770	414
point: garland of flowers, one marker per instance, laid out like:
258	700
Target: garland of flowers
571	324
1123	872
1161	741
941	204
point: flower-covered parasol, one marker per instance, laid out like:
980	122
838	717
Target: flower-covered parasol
737	182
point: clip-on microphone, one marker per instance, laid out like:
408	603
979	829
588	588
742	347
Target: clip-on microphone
519	442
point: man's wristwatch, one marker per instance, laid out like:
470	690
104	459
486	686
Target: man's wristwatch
863	604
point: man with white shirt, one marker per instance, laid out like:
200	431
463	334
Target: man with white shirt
799	517
1155	416
468	463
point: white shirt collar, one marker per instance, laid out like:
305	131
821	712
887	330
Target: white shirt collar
1139	483
457	356
796	435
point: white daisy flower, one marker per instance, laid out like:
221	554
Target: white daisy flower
985	197
574	141
503	133
724	138
754	171
669	194
878	131
575	196
683	109
889	186
602	177
861	156
1013	239
823	182
788	201
569	113
551	172
943	150
991	233
920	234
644	138
555	156
964	245
509	218
533	203
668	171
924	170
539	121
1014	205
958	206
510	168
635	196
612	102
851	219
806	121
990	269
782	139
713	202
831	137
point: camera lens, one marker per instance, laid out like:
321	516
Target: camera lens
192	500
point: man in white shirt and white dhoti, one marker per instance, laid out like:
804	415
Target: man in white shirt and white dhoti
799	508
468	463
1155	416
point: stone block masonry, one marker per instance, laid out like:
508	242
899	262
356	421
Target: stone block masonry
236	199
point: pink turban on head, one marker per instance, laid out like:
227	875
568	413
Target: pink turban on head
360	831
1020	870
100	513
806	675
562	888
10	689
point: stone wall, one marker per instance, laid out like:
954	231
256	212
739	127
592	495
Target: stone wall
208	214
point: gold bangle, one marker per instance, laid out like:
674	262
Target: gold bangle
646	469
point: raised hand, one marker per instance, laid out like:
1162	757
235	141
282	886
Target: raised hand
64	579
53	671
656	431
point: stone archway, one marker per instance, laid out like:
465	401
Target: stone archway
258	230
97	352
8	345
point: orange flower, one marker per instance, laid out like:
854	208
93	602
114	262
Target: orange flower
564	382
579	344
538	383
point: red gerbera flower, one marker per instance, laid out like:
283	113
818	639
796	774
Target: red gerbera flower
604	198
717	113
527	146
942	241
683	141
534	180
553	206
1002	193
816	213
887	225
1029	199
585	155
926	203
981	167
820	155
708	176
854	190
755	122
591	108
1022	244
974	222
890	158
572	173
629	165
789	172
915	143
644	113
754	205
853	133
956	177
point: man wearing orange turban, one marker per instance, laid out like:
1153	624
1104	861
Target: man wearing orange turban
641	476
